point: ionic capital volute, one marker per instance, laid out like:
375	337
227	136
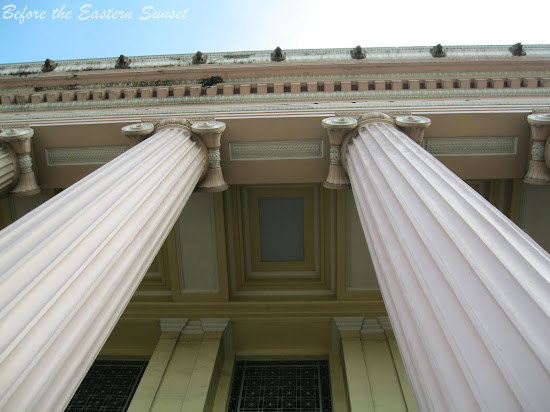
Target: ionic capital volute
413	126
539	157
337	129
138	132
210	133
19	142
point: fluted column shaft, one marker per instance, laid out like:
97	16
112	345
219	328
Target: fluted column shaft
69	268
467	291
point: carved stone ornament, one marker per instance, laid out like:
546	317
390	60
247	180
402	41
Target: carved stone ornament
539	162
438	51
337	129
517	50
209	132
358	53
138	132
49	66
413	126
199	58
123	62
20	142
278	55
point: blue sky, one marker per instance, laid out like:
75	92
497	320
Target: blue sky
217	26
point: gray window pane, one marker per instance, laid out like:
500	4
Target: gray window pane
281	229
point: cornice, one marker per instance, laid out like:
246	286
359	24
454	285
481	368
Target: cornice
378	54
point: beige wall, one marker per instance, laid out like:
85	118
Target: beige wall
535	210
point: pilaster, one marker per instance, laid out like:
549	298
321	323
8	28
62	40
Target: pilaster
347	332
466	289
156	368
385	384
189	381
204	380
539	167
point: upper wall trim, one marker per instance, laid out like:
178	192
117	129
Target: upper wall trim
417	107
393	90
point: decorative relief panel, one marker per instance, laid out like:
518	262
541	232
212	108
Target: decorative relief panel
471	146
91	155
280	150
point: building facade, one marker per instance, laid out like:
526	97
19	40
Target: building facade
383	209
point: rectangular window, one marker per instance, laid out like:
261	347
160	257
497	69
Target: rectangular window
108	386
280	386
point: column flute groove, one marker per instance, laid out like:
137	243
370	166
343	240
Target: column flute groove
72	265
467	291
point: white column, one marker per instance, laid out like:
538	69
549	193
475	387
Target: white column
467	291
68	269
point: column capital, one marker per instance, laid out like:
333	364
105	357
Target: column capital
19	139
345	328
138	132
210	133
413	126
214	324
376	329
337	129
372	330
207	133
352	323
172	324
539	157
